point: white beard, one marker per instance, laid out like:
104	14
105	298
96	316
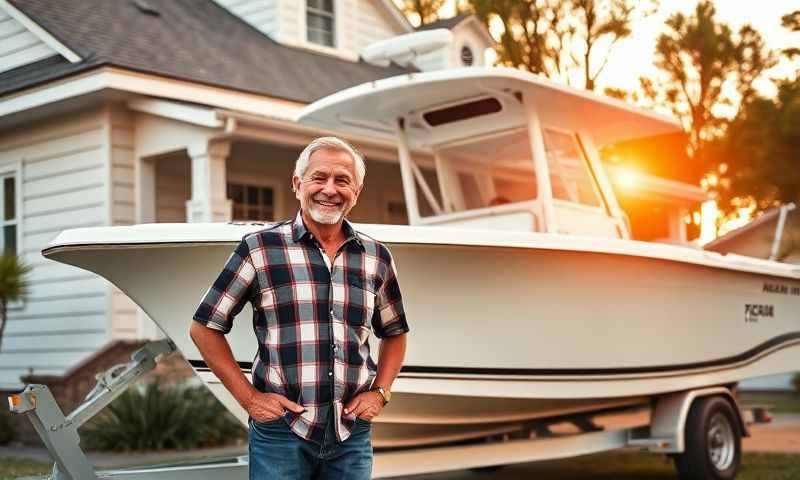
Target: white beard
325	218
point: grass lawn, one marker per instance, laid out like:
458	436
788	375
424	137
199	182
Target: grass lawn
640	466
781	402
20	467
607	466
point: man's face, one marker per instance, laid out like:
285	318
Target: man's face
329	188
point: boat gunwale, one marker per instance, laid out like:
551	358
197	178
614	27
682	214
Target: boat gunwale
476	239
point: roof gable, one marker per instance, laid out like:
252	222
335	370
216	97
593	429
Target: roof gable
23	41
194	40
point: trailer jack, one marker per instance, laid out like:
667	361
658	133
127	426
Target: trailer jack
60	433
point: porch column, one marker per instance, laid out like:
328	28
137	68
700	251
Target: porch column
677	225
145	186
209	201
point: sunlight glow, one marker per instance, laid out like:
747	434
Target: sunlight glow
708	221
627	178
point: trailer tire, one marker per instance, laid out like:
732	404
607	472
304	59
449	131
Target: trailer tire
713	441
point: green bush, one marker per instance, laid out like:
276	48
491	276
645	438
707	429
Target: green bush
154	417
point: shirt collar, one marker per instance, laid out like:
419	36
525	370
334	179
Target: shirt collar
299	230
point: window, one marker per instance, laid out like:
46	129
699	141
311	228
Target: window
569	176
320	22
252	203
467	57
395	213
9	221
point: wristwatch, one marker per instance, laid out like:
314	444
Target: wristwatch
386	394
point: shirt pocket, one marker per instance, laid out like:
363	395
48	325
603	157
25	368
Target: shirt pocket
360	302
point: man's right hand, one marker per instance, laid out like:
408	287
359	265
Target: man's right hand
264	407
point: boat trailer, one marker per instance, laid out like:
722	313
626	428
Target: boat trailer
672	422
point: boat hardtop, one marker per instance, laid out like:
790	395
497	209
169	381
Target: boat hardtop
373	108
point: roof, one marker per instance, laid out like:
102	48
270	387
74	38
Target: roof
373	108
766	218
195	40
448	23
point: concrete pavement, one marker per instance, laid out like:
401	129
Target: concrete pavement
782	435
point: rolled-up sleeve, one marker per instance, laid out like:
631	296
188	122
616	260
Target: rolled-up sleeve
230	291
389	318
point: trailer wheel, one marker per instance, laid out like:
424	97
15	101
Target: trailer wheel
713	441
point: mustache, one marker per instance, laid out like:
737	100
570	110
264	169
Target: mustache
328	198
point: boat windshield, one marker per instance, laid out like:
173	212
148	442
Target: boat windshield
489	171
498	169
570	178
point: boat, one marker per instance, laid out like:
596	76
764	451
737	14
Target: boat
527	299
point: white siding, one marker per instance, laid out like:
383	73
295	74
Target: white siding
124	313
365	22
62	168
262	14
291	25
18	46
358	22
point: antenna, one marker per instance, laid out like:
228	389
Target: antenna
404	49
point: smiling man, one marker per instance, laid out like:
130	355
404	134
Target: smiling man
318	288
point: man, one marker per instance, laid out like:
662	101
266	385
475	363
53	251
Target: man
317	288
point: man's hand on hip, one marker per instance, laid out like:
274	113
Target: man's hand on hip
366	405
263	407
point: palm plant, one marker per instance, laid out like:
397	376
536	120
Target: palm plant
13	285
155	417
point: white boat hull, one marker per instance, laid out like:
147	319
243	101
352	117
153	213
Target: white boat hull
507	334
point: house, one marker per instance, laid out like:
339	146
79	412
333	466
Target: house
774	235
136	111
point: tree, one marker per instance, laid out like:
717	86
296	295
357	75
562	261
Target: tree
761	152
426	10
792	22
13	285
554	37
703	61
527	35
598	21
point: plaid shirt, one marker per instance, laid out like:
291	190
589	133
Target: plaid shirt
312	319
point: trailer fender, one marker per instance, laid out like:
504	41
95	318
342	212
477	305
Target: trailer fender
668	418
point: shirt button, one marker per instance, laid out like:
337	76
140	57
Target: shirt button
335	347
331	312
330	374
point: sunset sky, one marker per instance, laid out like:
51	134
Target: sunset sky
632	57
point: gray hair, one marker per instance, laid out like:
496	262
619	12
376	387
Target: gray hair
334	143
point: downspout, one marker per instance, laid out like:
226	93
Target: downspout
776	240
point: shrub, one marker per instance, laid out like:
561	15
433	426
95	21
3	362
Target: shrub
154	417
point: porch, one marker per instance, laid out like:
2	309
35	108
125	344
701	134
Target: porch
240	169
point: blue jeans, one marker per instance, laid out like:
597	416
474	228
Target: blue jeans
276	452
